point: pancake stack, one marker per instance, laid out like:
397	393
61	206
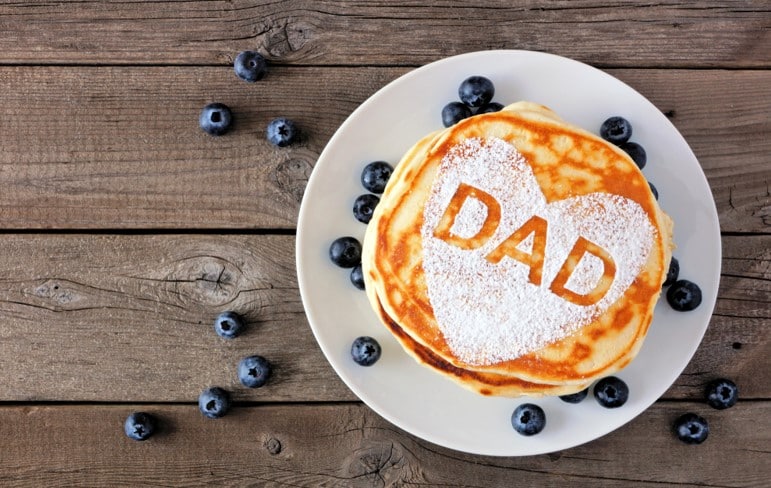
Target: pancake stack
517	254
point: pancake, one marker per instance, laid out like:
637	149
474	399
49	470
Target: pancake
517	246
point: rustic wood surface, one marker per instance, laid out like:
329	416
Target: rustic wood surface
124	230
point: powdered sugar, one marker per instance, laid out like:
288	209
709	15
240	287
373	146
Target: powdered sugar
491	312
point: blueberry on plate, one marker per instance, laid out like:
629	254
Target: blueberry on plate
375	176
684	295
357	277
228	325
281	132
673	272
489	108
691	428
476	91
365	351
250	66
215	119
611	392
616	130
214	402
722	394
454	112
577	397
528	419
139	426
364	207
654	190
254	371
345	252
636	152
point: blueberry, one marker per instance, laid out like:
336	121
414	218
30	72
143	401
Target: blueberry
611	392
282	132
345	252
214	402
228	325
250	66
673	272
364	207
617	130
139	426
684	295
528	419
357	277
722	394
215	119
375	176
489	108
365	351
691	429
577	397
254	371
476	91
654	190
636	152
454	112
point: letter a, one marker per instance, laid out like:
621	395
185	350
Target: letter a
581	247
464	191
537	226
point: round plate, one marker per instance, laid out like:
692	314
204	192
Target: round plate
415	398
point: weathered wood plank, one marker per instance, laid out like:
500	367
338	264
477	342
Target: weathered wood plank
673	33
128	318
111	147
348	445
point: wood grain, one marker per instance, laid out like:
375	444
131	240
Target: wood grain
120	147
665	34
348	445
129	318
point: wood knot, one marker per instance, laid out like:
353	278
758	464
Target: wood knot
273	446
380	463
208	280
286	37
291	177
55	292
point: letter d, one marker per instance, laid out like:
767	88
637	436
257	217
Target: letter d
464	191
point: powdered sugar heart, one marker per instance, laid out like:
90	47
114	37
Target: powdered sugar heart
492	311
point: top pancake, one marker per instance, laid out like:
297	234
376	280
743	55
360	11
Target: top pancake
475	249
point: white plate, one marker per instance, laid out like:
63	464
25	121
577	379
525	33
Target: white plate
385	126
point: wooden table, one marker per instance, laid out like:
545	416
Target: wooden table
126	229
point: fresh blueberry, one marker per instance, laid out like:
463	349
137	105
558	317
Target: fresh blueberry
364	207
375	176
691	429
617	130
345	252
250	66
489	108
254	371
577	397
365	351
611	392
357	277
654	190
528	419
214	402
139	426
673	272
684	295
228	325
636	152
722	394
215	119
282	132
476	91
454	112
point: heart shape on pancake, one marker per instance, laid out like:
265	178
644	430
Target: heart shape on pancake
490	303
